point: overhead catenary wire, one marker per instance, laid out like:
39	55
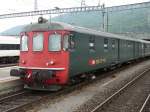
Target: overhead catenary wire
76	9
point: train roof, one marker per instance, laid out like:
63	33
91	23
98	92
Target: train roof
9	40
63	26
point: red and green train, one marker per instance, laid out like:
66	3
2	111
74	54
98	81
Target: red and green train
54	54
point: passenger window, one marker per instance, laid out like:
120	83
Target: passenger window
105	44
113	44
129	44
92	44
38	42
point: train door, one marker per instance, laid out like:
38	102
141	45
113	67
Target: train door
118	41
134	50
114	50
132	46
144	49
137	50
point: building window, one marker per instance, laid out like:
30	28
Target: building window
38	42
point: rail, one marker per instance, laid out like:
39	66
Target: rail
12	95
145	103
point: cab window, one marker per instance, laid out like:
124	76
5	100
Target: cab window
66	42
71	43
24	43
38	42
54	42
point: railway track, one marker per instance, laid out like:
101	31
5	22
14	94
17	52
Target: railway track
6	97
19	101
121	101
26	99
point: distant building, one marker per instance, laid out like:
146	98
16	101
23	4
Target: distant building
133	20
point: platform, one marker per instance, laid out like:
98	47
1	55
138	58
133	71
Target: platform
8	83
5	71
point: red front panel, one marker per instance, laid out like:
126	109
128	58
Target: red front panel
45	59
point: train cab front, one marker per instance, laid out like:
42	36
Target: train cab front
44	59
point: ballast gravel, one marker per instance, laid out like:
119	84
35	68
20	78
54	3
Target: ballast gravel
85	99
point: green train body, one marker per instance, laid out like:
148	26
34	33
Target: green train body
106	52
53	54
